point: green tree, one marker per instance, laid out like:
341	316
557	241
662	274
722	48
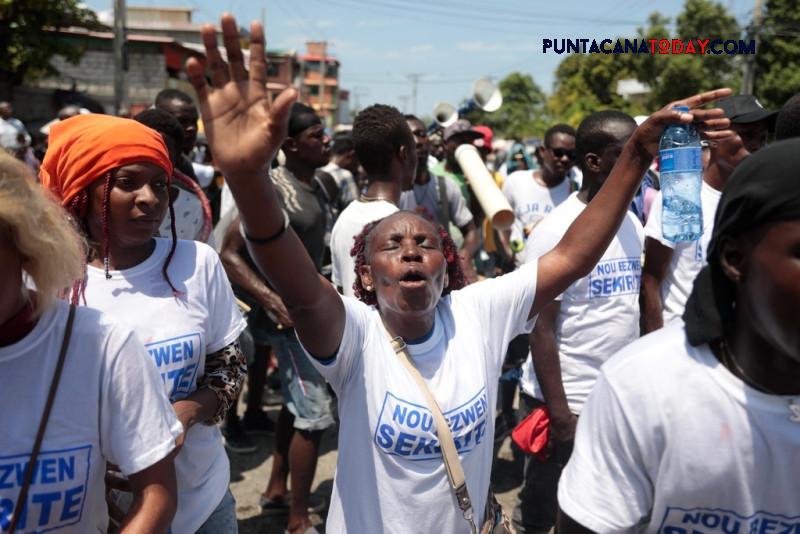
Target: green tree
588	82
585	83
675	76
522	112
26	47
778	53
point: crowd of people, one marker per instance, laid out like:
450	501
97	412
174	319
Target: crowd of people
355	276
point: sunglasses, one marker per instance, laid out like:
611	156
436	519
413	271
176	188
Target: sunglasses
561	152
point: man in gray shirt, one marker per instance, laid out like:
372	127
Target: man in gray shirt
439	199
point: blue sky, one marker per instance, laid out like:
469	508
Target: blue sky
448	43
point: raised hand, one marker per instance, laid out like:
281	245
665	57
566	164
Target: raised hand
244	129
711	123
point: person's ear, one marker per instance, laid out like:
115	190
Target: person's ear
173	193
365	274
732	259
402	154
592	162
289	145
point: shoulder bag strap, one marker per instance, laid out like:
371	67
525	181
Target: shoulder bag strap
37	445
444	204
455	473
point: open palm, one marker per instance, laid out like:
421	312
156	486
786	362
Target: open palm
244	129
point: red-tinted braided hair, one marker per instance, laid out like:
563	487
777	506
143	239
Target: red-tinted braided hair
78	208
455	275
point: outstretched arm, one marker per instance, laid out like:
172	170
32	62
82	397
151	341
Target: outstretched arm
590	234
245	131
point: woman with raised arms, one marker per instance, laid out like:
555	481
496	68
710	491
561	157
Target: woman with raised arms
390	475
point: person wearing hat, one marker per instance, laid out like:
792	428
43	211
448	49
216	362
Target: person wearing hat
458	133
670	268
749	119
439	199
697	426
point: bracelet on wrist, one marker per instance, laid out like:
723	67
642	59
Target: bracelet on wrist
265	240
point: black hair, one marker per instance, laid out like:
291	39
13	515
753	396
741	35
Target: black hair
560	128
593	135
167	125
787	124
411	117
342	143
301	117
168	95
378	133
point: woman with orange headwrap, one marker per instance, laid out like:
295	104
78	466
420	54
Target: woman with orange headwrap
113	176
107	400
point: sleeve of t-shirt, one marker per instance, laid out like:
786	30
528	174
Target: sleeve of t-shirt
336	267
653	227
338	369
459	212
138	426
501	306
605	486
225	321
540	242
507	190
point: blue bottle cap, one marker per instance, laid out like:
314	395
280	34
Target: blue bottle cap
681	108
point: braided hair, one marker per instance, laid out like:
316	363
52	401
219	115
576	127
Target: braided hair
455	275
78	208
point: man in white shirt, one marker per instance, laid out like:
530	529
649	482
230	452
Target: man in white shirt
386	149
594	318
439	199
533	194
670	268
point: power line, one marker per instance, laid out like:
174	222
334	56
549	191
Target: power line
527	19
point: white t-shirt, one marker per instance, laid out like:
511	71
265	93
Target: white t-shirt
178	334
424	200
599	312
390	475
531	201
109	407
189	217
350	223
671	441
687	258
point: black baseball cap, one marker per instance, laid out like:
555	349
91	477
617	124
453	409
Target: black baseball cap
744	109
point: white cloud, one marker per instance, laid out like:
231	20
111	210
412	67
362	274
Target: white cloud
421	49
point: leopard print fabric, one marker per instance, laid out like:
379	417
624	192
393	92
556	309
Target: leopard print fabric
224	375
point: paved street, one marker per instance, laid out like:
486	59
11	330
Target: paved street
249	473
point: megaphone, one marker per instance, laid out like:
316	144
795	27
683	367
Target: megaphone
445	114
486	96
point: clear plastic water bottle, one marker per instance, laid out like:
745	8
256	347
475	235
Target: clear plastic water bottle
681	181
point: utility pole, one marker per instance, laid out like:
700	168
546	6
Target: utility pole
120	89
414	79
323	64
749	71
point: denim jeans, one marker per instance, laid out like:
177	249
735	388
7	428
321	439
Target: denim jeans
223	518
305	392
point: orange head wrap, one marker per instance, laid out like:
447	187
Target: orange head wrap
86	147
